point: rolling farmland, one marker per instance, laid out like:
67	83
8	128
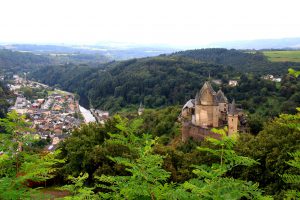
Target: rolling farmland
283	56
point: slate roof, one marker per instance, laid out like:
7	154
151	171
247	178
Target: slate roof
189	104
220	97
206	87
232	108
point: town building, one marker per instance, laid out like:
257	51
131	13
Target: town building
270	77
232	83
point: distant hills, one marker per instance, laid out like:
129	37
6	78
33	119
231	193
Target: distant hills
124	51
283	43
110	51
18	62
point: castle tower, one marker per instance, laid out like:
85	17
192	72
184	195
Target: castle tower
223	106
206	107
232	119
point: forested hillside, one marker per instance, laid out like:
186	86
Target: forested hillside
18	62
4	95
112	160
242	61
171	80
154	81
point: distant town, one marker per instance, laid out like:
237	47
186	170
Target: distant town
53	113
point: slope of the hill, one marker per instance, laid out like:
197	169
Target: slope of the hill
159	81
4	95
242	61
17	62
154	81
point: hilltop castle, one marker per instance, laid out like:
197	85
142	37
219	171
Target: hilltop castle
208	110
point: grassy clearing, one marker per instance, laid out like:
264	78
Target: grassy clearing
283	56
61	92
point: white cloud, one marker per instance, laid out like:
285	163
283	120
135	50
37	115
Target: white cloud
185	22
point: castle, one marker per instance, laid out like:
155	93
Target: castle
208	110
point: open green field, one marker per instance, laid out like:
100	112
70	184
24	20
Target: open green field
61	92
283	56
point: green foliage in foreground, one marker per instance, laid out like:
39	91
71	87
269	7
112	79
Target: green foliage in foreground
211	182
20	168
271	147
293	178
148	180
119	162
161	122
294	72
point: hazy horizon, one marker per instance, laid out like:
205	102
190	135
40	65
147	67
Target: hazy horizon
188	23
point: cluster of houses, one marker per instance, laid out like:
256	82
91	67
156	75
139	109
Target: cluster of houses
100	115
53	117
20	82
270	77
231	83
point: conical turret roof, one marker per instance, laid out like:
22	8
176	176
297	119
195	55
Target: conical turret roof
232	108
220	97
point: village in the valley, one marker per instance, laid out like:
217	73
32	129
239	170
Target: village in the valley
52	113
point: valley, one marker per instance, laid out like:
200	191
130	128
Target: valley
50	98
149	100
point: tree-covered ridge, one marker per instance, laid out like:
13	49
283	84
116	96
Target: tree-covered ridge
223	56
157	81
16	62
264	99
170	80
154	81
243	61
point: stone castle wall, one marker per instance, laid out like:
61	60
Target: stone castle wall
196	133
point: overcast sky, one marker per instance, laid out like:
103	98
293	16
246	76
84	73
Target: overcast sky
174	22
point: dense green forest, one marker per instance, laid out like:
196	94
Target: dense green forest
18	62
170	80
155	81
162	81
242	61
118	160
5	94
14	62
